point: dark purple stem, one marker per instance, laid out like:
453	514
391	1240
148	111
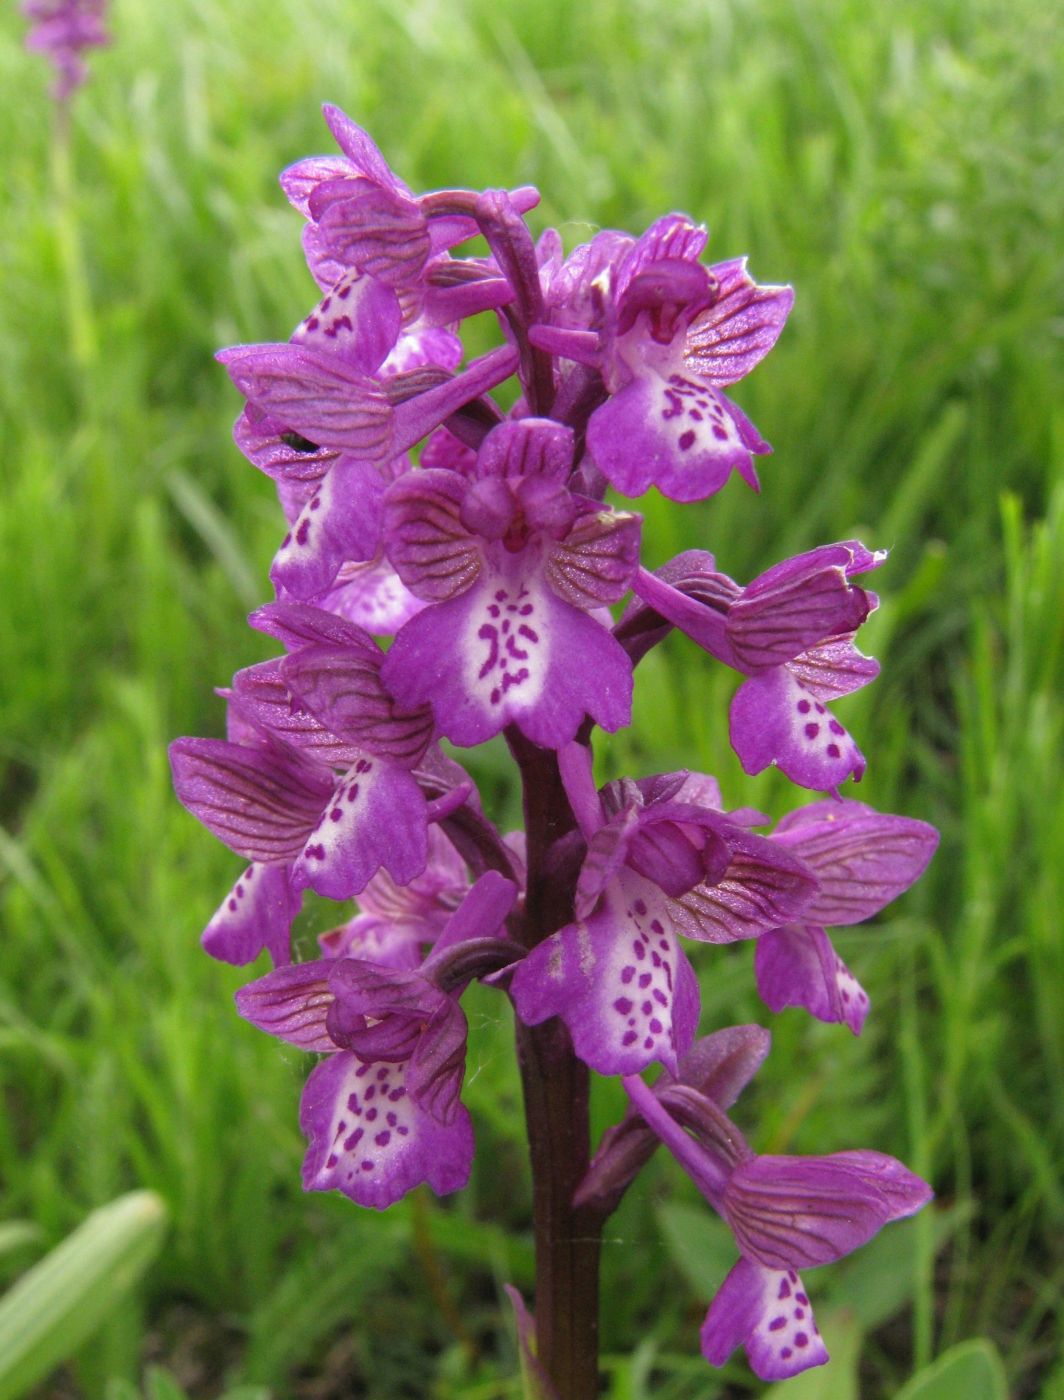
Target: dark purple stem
556	1086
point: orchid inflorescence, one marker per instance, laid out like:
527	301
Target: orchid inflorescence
493	561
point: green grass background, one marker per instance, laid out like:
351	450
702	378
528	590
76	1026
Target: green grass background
901	166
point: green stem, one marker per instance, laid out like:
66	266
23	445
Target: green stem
81	323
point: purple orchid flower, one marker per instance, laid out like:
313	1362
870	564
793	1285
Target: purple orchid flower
862	859
62	30
786	1213
479	541
790	632
660	861
513	564
382	1111
670	334
321	708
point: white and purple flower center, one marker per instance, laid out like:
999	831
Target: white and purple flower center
505	655
373	1118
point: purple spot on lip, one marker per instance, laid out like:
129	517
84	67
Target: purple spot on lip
686	440
777	1323
812	730
804	707
833	751
801	1340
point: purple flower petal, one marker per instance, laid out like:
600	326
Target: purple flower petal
341	521
262	802
757	892
376	817
257	913
343	690
862	858
798	603
725	342
374	596
775	718
797	1212
358	320
427	543
361	150
597	559
797	966
664	429
501	654
315	394
264	696
381	232
370	1140
619	980
833	668
291	1003
768	1312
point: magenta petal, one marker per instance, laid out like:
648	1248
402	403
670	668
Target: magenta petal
721	1065
257	913
300	180
501	654
427	543
798	1212
262	802
264	697
341	521
671	432
725	342
597	559
774	718
298	625
360	149
291	1003
357	319
379	231
758	891
373	596
799	603
316	394
376	817
833	668
862	858
619	980
527	447
768	1312
370	1140
797	966
343	690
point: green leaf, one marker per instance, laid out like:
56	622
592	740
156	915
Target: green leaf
161	1385
971	1369
49	1312
838	1380
16	1233
699	1244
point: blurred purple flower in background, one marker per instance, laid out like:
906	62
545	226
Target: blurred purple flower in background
62	30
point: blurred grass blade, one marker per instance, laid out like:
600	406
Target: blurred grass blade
971	1369
45	1317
